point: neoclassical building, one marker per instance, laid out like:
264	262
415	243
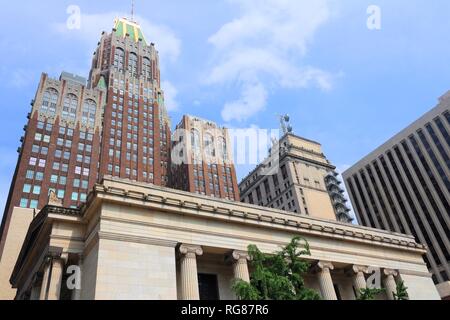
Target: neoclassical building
139	241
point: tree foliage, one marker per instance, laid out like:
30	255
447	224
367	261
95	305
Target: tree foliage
277	276
402	293
369	293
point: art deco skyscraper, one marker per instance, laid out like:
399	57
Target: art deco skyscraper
136	127
78	131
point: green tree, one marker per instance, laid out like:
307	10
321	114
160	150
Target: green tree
369	293
277	276
402	293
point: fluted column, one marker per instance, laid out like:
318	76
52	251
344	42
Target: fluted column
188	270
56	278
389	282
36	288
325	280
45	279
359	280
240	265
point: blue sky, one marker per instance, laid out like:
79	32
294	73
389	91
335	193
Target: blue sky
240	62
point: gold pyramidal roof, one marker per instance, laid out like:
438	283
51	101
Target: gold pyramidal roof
123	26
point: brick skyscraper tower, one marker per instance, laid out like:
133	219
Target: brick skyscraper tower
78	131
206	164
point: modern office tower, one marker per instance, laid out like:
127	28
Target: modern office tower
404	186
136	127
116	124
298	182
205	161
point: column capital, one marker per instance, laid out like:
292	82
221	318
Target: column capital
324	266
190	250
390	272
240	255
355	269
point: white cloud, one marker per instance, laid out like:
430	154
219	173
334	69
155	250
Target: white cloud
263	48
254	98
170	95
167	43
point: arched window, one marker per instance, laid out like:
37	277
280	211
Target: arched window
147	68
49	101
119	57
89	110
222	145
70	107
195	140
132	63
209	145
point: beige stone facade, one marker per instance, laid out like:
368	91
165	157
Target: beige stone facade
295	182
139	241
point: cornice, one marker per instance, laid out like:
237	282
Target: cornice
187	203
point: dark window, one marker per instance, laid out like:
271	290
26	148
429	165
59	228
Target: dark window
208	287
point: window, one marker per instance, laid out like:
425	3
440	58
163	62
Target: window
33	204
76	183
26	188
77	170
54	178
132	63
89	111
23	203
147	68
74	196
195	140
42	163
38	137
39	176
223	149
37	190
70	107
60	194
29	174
84	184
32	161
49	100
119	56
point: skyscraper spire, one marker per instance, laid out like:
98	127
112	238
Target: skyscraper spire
132	10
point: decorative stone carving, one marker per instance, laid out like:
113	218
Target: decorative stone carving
389	282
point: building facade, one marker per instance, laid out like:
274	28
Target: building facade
403	186
292	178
136	127
115	123
204	163
60	147
140	241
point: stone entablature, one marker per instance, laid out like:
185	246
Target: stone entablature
184	202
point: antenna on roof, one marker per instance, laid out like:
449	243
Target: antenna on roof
132	10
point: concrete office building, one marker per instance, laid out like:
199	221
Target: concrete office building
404	186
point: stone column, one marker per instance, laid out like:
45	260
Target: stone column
36	288
45	279
57	271
76	293
325	280
359	280
240	266
389	282
188	270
